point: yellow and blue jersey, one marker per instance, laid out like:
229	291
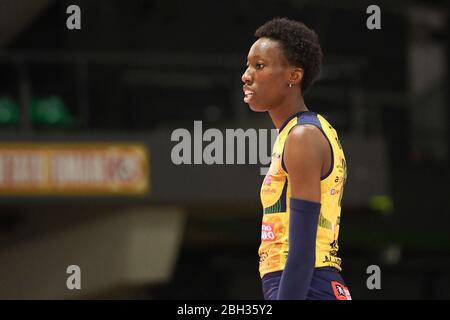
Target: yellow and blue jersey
275	195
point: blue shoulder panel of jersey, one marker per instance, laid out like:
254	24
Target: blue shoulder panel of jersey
309	118
305	118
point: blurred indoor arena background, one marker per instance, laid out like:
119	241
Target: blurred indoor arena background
86	176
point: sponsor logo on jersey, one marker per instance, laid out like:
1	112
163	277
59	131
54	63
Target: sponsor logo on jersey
268	232
268	180
340	291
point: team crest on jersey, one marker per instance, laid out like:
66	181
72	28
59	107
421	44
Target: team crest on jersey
340	291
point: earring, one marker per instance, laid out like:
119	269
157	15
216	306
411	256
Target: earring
290	85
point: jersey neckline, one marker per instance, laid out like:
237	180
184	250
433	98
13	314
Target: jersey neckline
289	119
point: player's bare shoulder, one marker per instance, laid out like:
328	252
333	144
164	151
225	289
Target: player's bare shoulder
306	138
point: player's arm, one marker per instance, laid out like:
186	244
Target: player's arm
303	158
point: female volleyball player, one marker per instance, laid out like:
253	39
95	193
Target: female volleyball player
302	191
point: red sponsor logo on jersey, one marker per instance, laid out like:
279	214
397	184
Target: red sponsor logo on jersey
340	291
268	232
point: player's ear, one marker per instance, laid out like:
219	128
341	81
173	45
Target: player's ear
296	75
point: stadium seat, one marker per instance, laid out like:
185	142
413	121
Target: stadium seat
51	112
9	112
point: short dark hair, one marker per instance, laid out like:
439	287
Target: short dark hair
300	46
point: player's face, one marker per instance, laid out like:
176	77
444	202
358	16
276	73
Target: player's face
266	77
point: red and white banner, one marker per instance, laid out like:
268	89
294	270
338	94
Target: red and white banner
74	169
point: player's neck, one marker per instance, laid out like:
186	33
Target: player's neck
280	114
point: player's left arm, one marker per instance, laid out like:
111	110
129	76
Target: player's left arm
304	154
